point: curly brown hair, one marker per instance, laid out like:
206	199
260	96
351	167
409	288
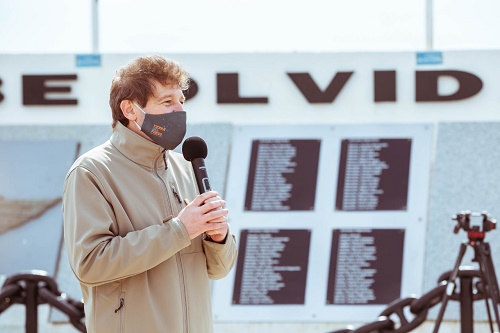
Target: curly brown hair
135	81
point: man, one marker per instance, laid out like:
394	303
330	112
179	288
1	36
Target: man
140	239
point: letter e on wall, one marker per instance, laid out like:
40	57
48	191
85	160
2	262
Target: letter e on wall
35	88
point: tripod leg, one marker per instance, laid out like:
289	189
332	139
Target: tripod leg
490	282
480	259
450	287
466	305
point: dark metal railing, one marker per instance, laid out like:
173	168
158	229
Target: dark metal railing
34	288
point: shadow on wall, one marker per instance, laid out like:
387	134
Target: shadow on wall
31	180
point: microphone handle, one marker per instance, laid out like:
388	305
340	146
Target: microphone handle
201	175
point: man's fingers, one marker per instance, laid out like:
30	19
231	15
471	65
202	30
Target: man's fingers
212	199
200	199
219	219
215	214
216	228
207	207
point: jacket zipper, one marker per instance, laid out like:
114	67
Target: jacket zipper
164	186
177	255
180	268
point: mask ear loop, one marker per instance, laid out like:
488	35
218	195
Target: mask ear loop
136	124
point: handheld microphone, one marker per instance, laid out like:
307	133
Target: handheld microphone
194	149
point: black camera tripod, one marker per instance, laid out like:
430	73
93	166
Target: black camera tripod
487	275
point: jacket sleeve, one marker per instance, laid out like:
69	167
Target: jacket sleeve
220	257
97	253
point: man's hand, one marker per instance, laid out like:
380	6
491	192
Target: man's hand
205	214
218	234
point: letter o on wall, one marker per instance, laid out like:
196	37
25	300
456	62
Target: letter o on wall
192	90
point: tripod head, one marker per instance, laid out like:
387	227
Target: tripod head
475	224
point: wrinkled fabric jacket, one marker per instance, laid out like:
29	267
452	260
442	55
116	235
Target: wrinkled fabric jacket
137	267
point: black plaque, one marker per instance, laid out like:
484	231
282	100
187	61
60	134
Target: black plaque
271	267
373	174
282	175
365	266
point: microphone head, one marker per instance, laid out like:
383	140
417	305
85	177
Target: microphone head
194	147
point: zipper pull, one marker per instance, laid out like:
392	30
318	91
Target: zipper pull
165	160
176	195
122	303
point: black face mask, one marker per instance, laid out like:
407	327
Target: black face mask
166	130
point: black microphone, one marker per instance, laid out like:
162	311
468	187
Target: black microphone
195	150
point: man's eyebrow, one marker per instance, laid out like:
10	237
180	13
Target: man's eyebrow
162	97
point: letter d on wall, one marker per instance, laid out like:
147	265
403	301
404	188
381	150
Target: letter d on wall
426	86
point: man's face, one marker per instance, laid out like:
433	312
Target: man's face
166	99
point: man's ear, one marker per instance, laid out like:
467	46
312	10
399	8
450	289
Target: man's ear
128	110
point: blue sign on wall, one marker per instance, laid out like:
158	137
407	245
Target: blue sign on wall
429	58
88	60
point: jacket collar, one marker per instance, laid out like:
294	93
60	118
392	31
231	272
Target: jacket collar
136	148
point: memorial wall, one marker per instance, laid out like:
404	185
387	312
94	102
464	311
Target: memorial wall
329	217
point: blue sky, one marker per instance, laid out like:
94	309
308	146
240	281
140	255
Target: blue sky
133	26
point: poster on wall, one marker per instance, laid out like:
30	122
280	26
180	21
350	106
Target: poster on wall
330	221
365	266
272	268
282	175
373	174
31	184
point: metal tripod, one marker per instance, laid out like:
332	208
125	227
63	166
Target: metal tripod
482	255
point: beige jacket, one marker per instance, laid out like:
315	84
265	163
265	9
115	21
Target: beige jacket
138	269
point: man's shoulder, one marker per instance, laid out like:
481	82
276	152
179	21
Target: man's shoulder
96	156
